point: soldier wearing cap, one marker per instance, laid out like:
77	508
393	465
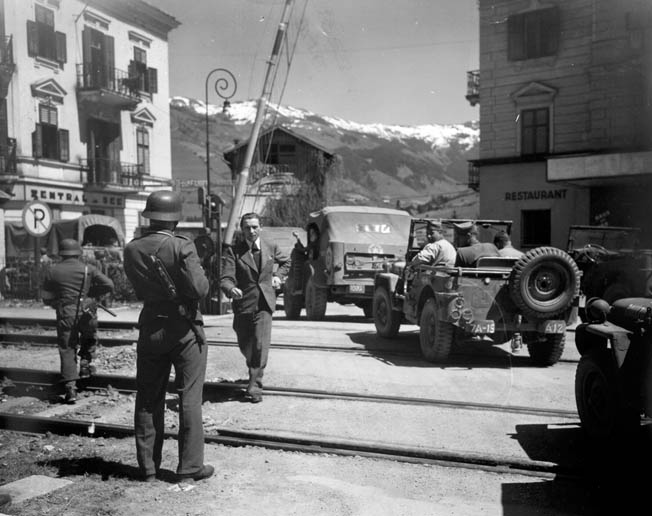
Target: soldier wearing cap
471	249
73	288
438	250
171	335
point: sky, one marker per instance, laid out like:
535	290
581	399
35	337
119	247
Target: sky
398	62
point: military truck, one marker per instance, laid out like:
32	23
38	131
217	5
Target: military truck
613	380
531	300
612	262
346	247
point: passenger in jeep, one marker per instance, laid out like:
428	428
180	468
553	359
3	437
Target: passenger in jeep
505	247
438	250
471	249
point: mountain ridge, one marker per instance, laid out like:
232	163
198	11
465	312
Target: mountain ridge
408	166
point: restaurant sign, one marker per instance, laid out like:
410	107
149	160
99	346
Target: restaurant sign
536	195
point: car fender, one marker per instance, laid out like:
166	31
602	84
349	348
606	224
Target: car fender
387	280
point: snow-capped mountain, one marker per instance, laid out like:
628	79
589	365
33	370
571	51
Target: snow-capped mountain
381	162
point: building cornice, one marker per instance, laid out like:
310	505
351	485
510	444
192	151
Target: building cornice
139	14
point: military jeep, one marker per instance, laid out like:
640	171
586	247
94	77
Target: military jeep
528	300
349	245
613	380
612	263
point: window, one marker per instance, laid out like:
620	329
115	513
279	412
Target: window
42	40
48	141
144	78
281	154
533	34
535	226
142	149
535	126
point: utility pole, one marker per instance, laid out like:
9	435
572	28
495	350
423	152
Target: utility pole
243	176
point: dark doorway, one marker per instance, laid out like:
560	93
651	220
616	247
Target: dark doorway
535	228
103	151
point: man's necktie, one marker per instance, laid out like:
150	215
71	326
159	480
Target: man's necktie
256	254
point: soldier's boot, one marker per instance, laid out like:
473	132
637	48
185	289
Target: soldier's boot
71	394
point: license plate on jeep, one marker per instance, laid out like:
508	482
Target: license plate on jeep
554	327
483	327
356	289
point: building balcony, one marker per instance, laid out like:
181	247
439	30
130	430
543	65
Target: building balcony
261	170
7	65
110	173
106	87
474	177
8	158
473	87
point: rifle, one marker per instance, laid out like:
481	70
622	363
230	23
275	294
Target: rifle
166	281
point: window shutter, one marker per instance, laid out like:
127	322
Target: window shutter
37	142
109	59
152	80
551	31
64	152
32	38
61	48
515	38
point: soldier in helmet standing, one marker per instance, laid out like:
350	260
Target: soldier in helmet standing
73	289
166	274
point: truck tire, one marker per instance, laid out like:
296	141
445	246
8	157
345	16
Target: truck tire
545	350
544	282
292	303
386	320
316	299
597	394
435	337
368	309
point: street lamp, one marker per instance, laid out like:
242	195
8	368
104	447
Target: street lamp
225	86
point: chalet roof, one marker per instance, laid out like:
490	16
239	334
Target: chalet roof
281	128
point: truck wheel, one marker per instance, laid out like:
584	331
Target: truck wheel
545	350
292	303
316	299
435	337
602	414
386	320
544	282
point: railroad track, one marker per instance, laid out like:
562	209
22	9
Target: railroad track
36	381
40	339
33	381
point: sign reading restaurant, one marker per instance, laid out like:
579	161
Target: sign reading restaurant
535	195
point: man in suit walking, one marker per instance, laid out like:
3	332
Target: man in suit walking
249	279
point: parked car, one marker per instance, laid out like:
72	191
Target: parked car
346	246
613	380
612	263
531	300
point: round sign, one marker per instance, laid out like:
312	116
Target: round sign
37	218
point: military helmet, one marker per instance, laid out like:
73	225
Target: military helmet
163	205
69	247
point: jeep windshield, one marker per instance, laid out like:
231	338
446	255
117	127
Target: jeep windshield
611	238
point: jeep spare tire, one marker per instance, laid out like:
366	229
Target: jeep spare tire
544	282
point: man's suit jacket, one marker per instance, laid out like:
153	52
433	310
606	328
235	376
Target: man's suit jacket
240	270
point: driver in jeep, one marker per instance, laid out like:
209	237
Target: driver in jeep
471	249
438	250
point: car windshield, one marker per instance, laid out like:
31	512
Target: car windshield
611	238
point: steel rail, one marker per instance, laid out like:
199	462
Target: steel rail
50	340
32	378
461	459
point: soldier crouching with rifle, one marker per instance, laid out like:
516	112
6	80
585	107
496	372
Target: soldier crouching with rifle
73	289
166	274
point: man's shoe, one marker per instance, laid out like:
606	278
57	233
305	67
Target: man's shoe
206	471
71	395
254	397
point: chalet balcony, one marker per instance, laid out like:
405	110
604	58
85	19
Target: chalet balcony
7	65
473	87
108	172
474	177
106	86
8	158
261	170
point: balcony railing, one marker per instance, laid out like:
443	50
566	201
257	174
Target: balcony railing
121	88
102	171
8	157
473	87
260	170
474	177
